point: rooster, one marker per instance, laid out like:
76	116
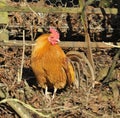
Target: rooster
52	68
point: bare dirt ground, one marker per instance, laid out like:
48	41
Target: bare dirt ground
20	95
85	102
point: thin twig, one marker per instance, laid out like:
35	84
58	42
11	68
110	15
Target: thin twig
31	9
62	108
4	28
23	56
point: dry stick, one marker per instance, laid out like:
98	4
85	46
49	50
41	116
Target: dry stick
23	105
2	95
63	44
4	28
23	56
19	109
87	37
110	44
110	72
31	9
35	14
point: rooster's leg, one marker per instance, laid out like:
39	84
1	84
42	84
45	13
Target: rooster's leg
46	91
55	90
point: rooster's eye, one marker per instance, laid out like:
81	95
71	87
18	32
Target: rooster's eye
51	37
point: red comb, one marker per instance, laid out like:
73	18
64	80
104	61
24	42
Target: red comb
54	32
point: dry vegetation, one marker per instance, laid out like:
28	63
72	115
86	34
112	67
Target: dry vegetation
101	101
20	95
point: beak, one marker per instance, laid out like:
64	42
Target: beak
58	40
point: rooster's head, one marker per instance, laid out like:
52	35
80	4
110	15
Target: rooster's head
54	36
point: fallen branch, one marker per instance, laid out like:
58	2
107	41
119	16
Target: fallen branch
110	71
20	106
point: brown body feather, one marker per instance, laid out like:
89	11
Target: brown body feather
51	66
